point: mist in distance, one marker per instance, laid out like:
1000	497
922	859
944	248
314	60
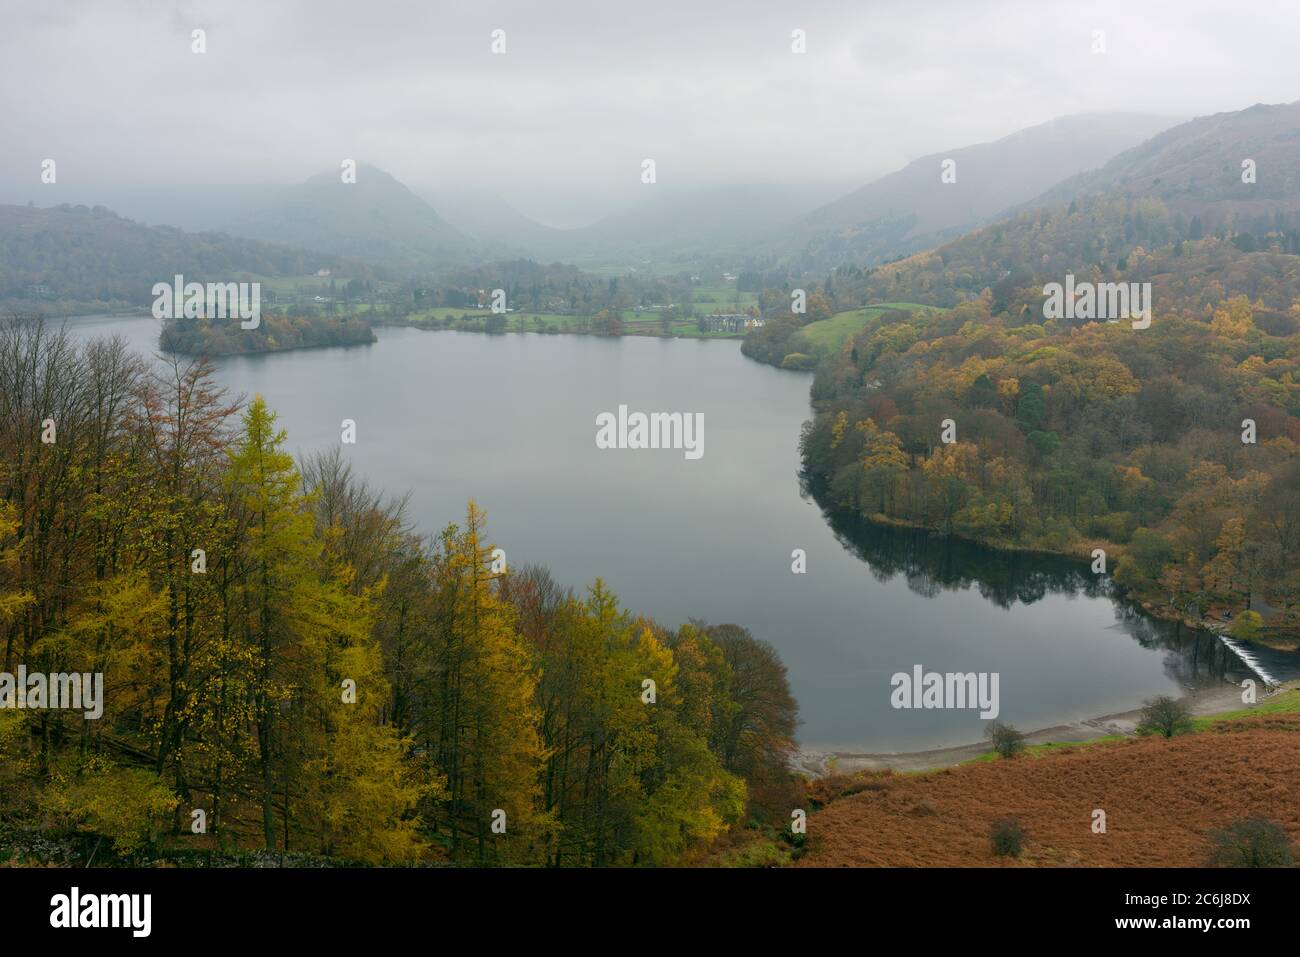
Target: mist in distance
558	125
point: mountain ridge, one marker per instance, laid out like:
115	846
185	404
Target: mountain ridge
911	208
376	219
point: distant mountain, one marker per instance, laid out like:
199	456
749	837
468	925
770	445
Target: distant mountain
501	230
690	224
913	209
1176	201
1195	168
69	259
376	219
669	224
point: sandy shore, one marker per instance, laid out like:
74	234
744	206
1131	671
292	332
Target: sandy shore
1200	702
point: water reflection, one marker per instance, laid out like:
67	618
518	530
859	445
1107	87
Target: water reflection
931	564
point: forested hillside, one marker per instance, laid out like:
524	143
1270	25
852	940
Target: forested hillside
1196	169
1074	435
374	218
289	666
1172	448
68	260
1098	239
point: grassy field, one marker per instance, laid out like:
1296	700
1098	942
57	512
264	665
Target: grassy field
549	320
722	297
708	298
634	323
447	312
645	323
1287	702
828	335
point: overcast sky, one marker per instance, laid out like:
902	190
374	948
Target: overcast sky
560	123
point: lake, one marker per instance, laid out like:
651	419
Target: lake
510	420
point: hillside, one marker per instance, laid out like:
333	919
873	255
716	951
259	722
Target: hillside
1195	169
1162	800
1095	238
706	225
65	260
912	209
376	219
501	230
1095	222
1073	434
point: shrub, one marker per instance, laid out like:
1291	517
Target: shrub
799	361
1251	842
1165	716
1246	626
1008	838
128	805
1006	740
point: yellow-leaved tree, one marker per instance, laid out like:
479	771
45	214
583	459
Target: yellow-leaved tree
478	715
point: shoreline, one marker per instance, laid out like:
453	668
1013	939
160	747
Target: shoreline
643	334
1201	702
1078	553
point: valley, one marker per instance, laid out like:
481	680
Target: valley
997	524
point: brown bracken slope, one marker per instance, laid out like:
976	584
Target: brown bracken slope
1161	798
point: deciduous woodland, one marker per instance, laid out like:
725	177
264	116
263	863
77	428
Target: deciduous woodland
1171	448
289	666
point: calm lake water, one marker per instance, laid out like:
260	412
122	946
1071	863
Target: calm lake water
510	421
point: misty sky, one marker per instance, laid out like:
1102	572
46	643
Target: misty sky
558	125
